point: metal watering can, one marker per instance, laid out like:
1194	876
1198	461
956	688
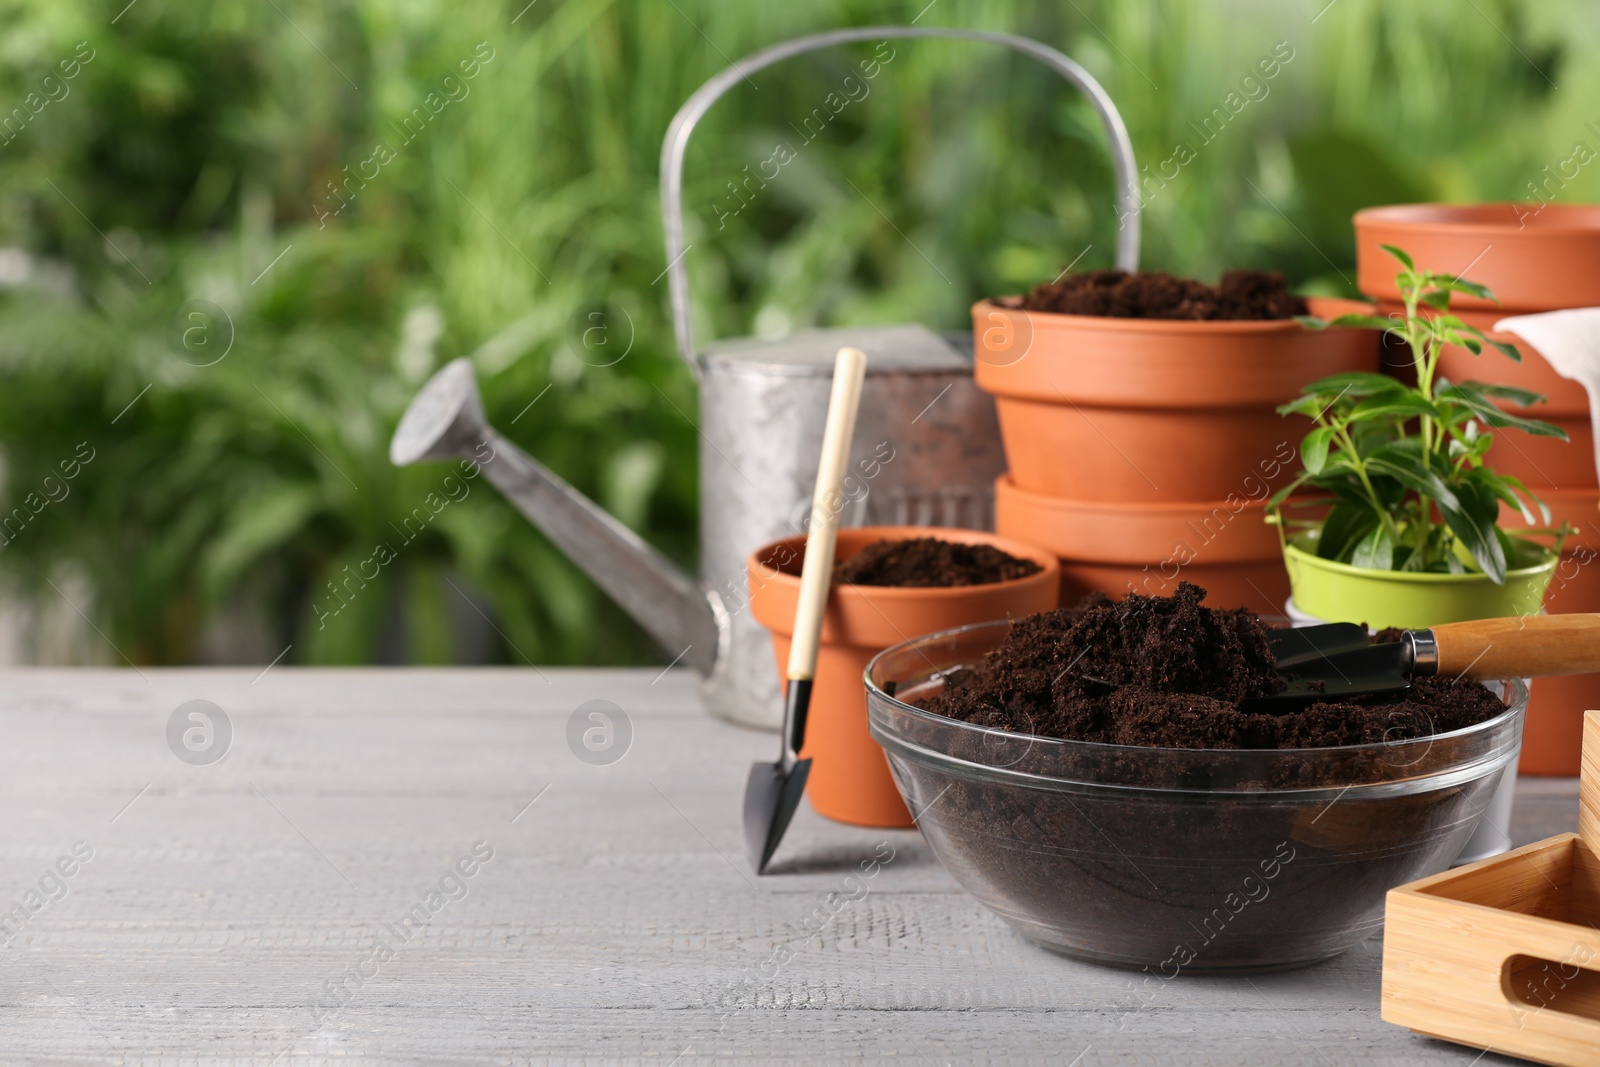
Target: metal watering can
927	446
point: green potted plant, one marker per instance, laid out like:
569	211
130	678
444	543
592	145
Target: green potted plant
1407	529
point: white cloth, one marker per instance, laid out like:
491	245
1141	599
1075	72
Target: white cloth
1570	342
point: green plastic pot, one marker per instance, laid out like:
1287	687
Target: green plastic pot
1339	592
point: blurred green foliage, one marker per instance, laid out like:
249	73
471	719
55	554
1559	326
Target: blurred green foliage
196	154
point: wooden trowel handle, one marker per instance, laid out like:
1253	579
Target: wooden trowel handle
1526	646
849	369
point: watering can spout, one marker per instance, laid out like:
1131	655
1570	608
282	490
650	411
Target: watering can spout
446	421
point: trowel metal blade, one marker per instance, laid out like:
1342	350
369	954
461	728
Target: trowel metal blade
1370	671
1300	644
770	800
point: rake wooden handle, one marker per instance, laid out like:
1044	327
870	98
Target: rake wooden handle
849	370
1525	646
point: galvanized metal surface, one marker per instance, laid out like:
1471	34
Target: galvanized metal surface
232	913
926	453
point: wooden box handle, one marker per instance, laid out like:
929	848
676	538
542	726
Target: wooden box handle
1589	784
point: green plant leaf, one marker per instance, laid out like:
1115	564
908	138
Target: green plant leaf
1314	449
1504	488
1510	351
1401	255
1461	285
1410	472
1365	322
1520	397
1477	535
1370	435
1277	499
1346	524
1438	299
1478	498
1375	551
1467	394
1304	405
1350	383
1396	401
1517	485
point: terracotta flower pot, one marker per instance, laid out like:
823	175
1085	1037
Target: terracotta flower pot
1153	410
1552	738
1224	547
1533	258
850	780
1541	462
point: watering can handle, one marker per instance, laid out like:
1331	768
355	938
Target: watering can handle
694	109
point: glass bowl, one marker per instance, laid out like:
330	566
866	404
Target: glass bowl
1178	860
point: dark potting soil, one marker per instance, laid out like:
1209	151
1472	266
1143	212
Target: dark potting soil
1241	295
928	562
1191	874
1168	672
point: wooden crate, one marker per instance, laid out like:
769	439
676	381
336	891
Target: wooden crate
1505	954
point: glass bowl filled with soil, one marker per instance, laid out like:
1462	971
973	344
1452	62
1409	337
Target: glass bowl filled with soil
1091	777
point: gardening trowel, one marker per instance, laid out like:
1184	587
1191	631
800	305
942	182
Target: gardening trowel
1301	644
773	790
1523	646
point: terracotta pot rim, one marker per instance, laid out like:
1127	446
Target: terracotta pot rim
1547	221
1211	327
1140	534
1049	565
1142	508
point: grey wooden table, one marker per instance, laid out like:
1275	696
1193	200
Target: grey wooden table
302	900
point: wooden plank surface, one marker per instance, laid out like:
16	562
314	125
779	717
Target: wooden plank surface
616	920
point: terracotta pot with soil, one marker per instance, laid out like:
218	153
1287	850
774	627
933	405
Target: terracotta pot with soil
1149	388
891	583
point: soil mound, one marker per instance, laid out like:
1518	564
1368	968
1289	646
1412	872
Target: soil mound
1168	672
928	561
1241	295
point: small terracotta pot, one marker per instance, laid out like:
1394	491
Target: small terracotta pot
850	780
1532	258
1552	737
1224	547
1541	462
1153	410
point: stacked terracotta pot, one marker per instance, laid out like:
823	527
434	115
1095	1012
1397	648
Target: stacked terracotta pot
1534	258
1142	452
